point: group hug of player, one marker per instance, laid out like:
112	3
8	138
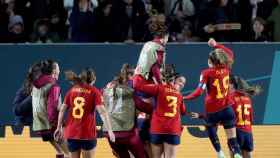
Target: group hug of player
154	89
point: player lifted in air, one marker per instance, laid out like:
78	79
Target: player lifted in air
150	61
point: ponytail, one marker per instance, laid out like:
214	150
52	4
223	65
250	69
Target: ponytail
86	76
72	76
241	85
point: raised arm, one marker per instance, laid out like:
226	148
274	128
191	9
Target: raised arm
216	45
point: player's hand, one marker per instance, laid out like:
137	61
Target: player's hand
58	134
194	115
137	70
212	42
111	136
185	98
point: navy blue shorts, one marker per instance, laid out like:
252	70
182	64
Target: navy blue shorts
245	140
226	117
144	129
76	145
164	138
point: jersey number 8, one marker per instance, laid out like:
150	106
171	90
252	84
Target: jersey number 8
78	110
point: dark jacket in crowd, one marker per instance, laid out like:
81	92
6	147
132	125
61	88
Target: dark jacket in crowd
122	21
82	25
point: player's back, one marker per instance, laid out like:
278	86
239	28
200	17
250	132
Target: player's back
217	83
242	106
80	100
166	118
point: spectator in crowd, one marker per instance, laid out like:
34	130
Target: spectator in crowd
104	22
58	17
212	23
3	22
42	32
259	30
32	10
22	7
182	8
180	12
245	12
265	7
127	20
82	21
157	5
148	7
129	17
187	34
274	19
16	30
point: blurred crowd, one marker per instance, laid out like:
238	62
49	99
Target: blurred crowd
56	21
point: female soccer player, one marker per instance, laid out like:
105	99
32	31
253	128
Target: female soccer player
166	127
121	104
45	104
180	82
81	101
152	56
226	50
217	103
151	60
242	106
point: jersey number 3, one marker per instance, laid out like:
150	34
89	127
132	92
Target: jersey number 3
172	102
78	110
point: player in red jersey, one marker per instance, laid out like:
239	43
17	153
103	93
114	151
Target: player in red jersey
166	126
81	101
217	102
226	50
241	92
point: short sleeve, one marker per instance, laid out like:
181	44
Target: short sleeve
67	99
98	98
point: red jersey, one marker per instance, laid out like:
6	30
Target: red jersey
81	101
216	82
242	106
166	117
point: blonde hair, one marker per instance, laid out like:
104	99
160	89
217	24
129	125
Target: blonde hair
218	57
